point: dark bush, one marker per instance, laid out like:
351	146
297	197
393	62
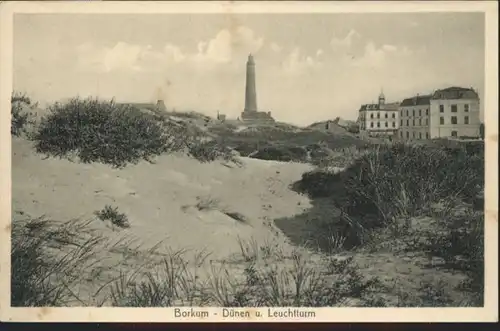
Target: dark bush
111	214
245	148
101	131
281	153
388	174
398	182
318	151
20	118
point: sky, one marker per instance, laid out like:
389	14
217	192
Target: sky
309	67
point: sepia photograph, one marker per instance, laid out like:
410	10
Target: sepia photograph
249	161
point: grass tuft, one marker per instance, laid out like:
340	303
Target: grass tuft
111	214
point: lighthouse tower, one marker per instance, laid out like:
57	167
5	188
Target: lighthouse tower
250	91
251	113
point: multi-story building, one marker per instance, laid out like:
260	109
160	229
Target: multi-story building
379	119
450	112
455	113
414	117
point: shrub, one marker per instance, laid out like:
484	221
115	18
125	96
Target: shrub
101	131
111	214
211	150
318	152
281	153
340	158
19	117
396	182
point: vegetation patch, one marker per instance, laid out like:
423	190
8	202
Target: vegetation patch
21	115
281	153
399	181
48	260
112	215
102	131
211	150
383	196
276	141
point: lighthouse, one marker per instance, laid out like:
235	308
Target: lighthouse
250	91
251	113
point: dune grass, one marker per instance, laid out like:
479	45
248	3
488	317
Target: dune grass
95	130
43	276
385	191
47	260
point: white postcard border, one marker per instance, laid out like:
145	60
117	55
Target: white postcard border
488	313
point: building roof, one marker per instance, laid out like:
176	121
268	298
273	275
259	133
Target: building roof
376	106
391	106
417	100
455	92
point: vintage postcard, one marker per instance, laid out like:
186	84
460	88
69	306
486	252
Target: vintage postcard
249	161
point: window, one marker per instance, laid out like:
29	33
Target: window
393	124
401	122
419	121
420	112
427	112
407	112
466	120
420	135
393	115
413	134
401	134
441	108
454	133
378	124
453	108
371	125
466	108
407	134
401	112
371	115
386	115
413	112
441	120
413	122
378	115
386	124
427	135
426	121
454	120
407	122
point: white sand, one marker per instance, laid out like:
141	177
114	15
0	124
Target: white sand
158	198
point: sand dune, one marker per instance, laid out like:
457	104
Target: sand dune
160	198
